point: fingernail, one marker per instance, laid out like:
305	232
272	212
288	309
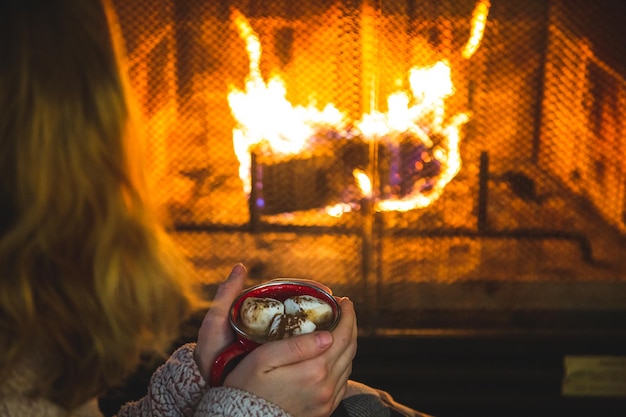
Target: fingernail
324	339
239	268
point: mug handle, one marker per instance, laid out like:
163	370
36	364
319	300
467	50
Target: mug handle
228	359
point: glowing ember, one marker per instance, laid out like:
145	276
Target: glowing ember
420	142
338	209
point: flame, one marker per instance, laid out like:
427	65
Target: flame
451	165
267	121
364	182
263	113
338	209
430	86
364	185
479	21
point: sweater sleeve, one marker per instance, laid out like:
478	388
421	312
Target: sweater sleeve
230	402
175	388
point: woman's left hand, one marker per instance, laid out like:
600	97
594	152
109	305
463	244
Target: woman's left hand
215	333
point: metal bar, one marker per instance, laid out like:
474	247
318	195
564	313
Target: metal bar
369	276
483	191
580	239
255	216
583	242
265	227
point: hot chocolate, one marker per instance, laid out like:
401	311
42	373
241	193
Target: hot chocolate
270	319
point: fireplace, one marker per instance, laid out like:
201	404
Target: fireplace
489	135
452	166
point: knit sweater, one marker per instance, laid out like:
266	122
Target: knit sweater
176	389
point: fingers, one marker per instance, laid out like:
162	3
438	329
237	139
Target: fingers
293	350
215	332
343	350
342	386
345	333
341	354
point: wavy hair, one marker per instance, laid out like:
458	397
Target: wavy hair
87	274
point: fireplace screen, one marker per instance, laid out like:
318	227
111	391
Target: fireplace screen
444	163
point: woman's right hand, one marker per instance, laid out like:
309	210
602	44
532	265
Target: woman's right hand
305	375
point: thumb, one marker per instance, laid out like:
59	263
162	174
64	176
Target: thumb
215	332
229	290
292	350
216	319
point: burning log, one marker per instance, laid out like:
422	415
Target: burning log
405	166
294	185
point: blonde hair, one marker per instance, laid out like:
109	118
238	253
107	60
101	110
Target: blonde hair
87	274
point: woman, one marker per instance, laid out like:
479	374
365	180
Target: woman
89	282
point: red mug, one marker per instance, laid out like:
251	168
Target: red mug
245	343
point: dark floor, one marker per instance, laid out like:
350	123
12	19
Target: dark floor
468	374
464	374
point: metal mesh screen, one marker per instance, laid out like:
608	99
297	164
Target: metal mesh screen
533	218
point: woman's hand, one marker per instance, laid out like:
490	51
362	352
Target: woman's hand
305	375
215	332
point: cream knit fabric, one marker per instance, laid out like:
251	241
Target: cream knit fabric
176	389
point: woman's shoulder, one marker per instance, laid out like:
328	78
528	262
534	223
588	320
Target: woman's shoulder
21	381
20	406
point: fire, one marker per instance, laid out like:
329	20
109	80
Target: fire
265	116
268	122
365	185
451	165
429	87
479	21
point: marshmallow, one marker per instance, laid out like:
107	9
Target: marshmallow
315	310
258	313
287	325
